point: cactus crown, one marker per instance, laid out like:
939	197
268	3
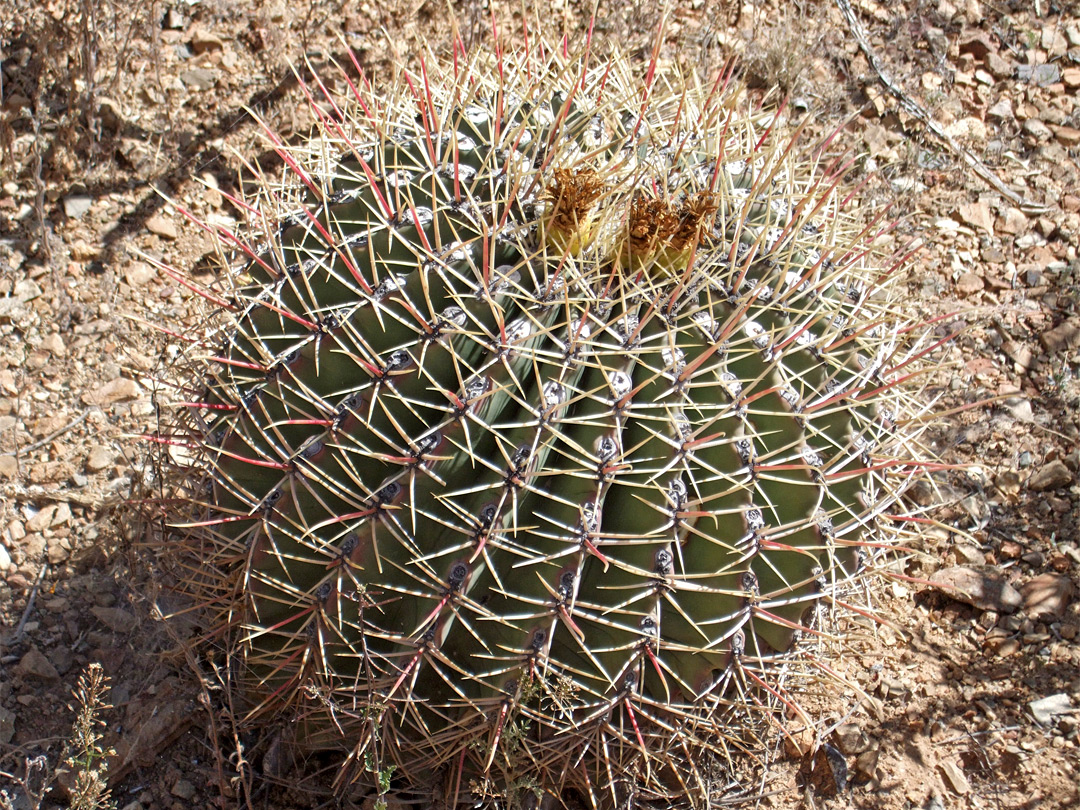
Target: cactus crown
547	428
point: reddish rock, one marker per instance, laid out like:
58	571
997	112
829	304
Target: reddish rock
1049	477
1063	337
1046	596
35	666
983	587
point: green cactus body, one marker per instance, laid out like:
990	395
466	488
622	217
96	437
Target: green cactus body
555	402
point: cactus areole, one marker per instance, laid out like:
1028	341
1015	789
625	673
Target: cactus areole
547	429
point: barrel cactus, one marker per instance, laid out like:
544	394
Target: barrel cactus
545	430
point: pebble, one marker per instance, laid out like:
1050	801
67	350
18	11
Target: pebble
866	763
57	551
7	725
199	79
116	619
26	290
983	587
969	284
1054	475
42	520
1002	111
36	666
1046	710
5	559
1066	136
162	226
1020	408
9	467
851	739
99	458
977	215
999	66
1046	596
1037	130
1063	337
54	344
116	390
138	274
1014	221
202	41
75	205
955	777
183	789
1043	75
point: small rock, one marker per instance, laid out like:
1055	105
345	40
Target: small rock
1046	596
199	78
1034	558
998	66
117	390
75	205
165	227
139	273
99	458
183	789
9	467
1046	710
43	519
61	516
35	665
977	215
955	778
5	559
1053	41
1062	338
983	587
866	764
1042	75
851	739
7	726
1037	130
1013	222
1066	136
966	554
54	344
26	290
1002	111
1019	408
1054	475
969	284
203	41
56	551
116	619
174	20
1071	77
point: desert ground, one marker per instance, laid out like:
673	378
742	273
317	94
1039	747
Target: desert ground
962	116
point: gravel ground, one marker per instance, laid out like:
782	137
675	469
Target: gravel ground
112	114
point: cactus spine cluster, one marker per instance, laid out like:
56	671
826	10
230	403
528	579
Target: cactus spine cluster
547	426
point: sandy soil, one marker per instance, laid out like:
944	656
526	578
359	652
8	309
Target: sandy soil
110	110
